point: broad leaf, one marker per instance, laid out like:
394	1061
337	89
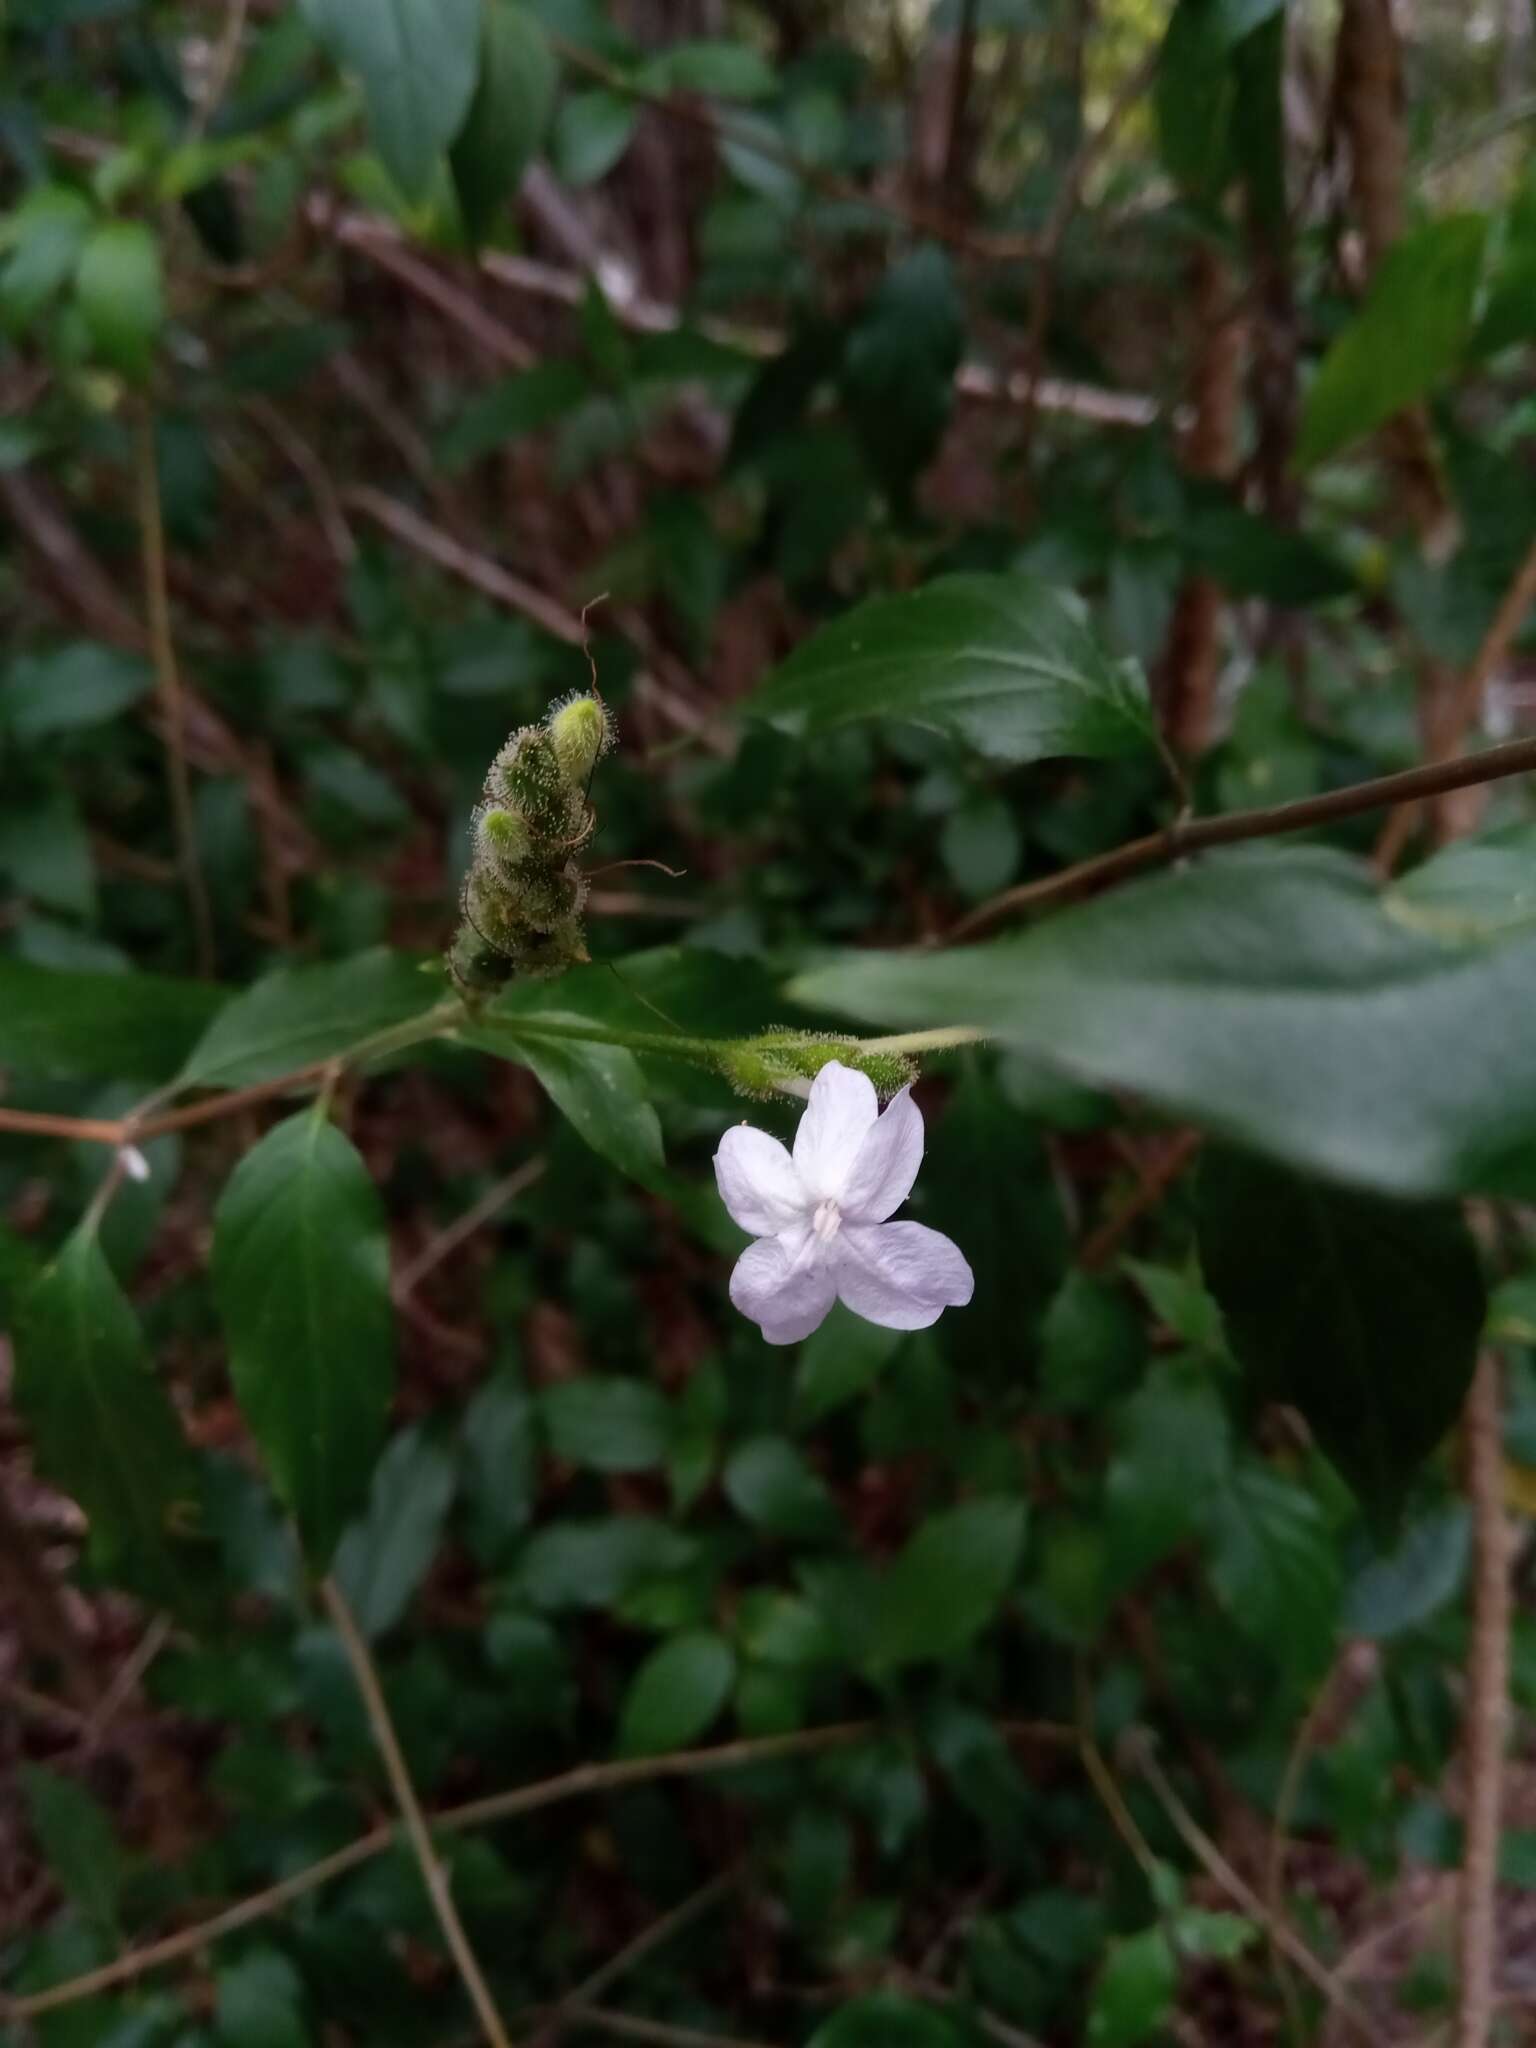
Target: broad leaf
676	1693
104	1428
1266	995
1000	662
1274	1567
508	115
301	1271
1482	888
120	294
129	1027
82	684
417	61
1423	1572
1405	339
1361	1311
886	2020
898	373
600	1088
1133	1993
610	1425
79	1843
300	1016
769	1483
385	1553
947	1583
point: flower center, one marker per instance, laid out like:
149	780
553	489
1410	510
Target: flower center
827	1221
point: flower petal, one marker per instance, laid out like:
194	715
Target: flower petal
784	1285
900	1275
842	1110
886	1164
758	1182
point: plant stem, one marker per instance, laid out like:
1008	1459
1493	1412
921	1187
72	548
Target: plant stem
1486	1708
396	1770
1194	835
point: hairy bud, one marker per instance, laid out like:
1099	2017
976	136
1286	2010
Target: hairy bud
581	732
785	1062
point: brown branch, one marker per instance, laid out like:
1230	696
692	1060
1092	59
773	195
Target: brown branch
447	1242
1150	1189
1194	835
477	570
1486	1709
398	1773
572	2007
573	1784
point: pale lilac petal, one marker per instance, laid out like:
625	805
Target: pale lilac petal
784	1284
838	1117
758	1182
900	1275
886	1164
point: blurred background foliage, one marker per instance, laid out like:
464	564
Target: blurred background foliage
373	373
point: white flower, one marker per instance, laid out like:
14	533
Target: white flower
819	1217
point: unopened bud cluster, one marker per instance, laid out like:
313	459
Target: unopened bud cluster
785	1062
525	891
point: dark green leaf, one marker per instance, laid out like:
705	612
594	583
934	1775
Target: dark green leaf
947	1583
1274	1568
1405	339
78	1841
600	1088
104	1429
899	368
1134	1991
500	1452
885	2020
503	412
46	234
1423	1571
99	1026
594	1564
301	1271
121	295
769	1484
611	1425
508	115
300	1016
1482	888
1000	662
1193	96
260	2003
417	61
83	684
1171	1452
726	71
676	1693
384	1555
592	131
838	1361
1361	1311
1265	995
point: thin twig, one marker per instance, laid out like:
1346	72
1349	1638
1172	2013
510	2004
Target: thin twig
447	1242
580	1782
625	2026
661	1931
396	1770
162	648
1194	835
1486	1709
221	70
478	570
1217	1867
1153	1184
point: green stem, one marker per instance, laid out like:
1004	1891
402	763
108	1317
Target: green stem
940	1039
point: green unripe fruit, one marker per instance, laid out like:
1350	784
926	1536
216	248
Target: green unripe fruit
505	836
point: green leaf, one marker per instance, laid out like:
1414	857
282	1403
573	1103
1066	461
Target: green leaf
947	1583
592	131
1171	1455
841	1359
500	1448
898	373
1134	1990
260	2003
1361	1311
510	408
676	1693
103	1426
121	295
1193	96
299	1016
508	115
418	61
1422	1573
1482	888
723	71
45	235
1265	995
1406	338
99	1026
885	2020
594	1564
45	852
1000	662
609	1425
1274	1567
80	685
384	1555
770	1485
600	1088
78	1841
301	1272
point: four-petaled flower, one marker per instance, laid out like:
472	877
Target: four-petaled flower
819	1217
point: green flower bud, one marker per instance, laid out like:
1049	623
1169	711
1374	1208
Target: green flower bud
504	835
581	732
785	1061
